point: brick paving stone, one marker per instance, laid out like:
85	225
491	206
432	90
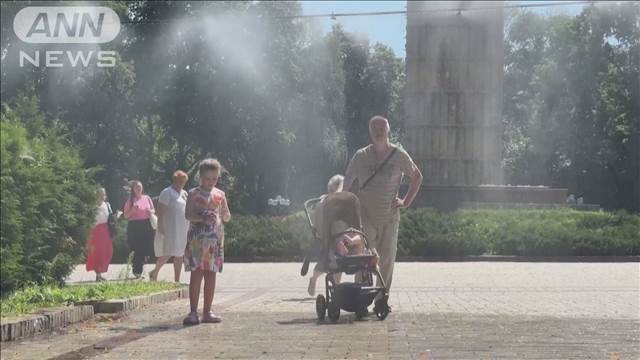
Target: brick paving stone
477	310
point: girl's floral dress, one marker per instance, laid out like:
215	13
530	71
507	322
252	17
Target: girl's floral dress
205	242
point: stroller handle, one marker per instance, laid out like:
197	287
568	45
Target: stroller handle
314	233
307	205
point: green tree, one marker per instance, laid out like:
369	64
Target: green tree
571	103
269	95
373	85
47	198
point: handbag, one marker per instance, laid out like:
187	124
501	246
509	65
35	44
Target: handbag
111	222
153	220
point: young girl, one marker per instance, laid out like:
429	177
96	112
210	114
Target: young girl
206	210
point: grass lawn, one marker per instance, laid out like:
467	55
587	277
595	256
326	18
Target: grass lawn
36	297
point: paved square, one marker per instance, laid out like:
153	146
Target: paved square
464	310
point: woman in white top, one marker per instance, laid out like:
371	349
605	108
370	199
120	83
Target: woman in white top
171	235
100	245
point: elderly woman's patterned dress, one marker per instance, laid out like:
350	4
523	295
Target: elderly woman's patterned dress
205	242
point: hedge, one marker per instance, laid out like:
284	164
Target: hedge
427	232
246	238
561	232
430	233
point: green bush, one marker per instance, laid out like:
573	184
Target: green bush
523	232
47	199
253	236
427	232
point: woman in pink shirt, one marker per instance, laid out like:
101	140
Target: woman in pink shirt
138	209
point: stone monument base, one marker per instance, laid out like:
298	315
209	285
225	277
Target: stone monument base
450	198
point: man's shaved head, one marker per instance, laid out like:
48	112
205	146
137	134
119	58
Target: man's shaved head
379	129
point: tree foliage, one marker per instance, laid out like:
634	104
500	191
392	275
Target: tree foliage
272	97
47	199
284	106
572	108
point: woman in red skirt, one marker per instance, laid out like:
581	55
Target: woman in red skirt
99	245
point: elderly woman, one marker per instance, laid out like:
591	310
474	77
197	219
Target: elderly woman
334	185
138	210
99	245
171	235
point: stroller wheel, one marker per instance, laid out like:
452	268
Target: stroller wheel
381	309
362	312
334	311
321	307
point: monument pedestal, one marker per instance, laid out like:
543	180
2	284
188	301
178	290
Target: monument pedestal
450	198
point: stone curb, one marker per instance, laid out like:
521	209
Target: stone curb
515	258
470	258
46	320
119	305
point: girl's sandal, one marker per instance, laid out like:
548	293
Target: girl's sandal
211	318
191	319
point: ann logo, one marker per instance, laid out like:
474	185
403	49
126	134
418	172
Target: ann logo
41	25
66	25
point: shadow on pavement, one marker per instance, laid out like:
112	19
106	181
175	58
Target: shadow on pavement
302	300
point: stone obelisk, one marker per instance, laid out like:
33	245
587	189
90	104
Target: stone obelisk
454	91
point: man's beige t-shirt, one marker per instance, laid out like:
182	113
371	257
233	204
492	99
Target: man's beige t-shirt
377	198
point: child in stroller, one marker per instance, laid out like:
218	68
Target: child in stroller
344	249
347	243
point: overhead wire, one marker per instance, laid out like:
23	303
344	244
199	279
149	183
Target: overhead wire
334	15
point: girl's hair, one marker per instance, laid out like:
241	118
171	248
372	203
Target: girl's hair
209	164
335	184
179	175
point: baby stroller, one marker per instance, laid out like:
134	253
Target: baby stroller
349	296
